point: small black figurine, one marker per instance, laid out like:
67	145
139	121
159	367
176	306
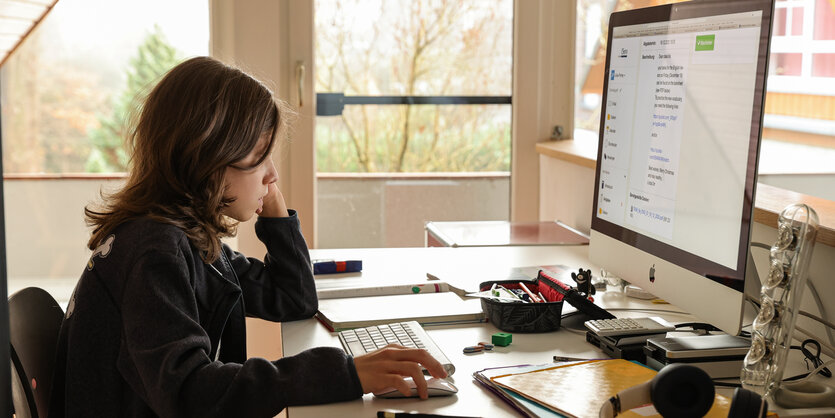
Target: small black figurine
583	279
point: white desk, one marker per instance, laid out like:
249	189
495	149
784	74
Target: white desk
472	264
412	264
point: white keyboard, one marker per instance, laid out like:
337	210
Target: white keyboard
629	326
408	334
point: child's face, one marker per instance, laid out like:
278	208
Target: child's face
248	183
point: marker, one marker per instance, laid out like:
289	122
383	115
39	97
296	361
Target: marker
331	266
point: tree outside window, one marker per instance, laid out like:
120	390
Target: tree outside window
414	48
68	89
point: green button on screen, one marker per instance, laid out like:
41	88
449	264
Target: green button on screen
705	42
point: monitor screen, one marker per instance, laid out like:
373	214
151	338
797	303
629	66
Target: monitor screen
679	138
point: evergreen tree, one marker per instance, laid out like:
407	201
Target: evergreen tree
154	57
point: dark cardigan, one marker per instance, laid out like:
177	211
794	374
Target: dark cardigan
143	328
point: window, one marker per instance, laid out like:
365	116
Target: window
378	152
66	90
799	126
802	47
65	93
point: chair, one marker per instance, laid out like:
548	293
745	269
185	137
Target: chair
34	323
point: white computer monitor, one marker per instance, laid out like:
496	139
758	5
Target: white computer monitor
680	130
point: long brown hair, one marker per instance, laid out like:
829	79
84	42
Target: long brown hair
201	117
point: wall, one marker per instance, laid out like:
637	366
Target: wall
566	191
819	185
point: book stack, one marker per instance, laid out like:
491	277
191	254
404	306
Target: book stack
428	304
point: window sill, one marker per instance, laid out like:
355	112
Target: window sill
770	200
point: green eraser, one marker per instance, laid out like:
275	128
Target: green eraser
502	339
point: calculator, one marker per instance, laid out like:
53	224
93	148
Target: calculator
629	326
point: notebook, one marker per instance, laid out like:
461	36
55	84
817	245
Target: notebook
525	406
425	308
579	389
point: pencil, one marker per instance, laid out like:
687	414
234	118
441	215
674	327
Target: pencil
534	298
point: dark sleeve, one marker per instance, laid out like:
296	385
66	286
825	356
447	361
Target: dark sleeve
281	287
164	355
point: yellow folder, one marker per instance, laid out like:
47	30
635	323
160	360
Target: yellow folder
579	389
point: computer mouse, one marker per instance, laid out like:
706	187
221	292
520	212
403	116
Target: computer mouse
434	386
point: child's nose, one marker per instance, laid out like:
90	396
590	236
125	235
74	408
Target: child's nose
272	173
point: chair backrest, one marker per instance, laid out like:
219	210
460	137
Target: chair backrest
34	324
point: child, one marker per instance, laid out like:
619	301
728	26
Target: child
155	326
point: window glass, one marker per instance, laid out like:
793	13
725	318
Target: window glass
414	48
785	64
472	138
780	22
823	65
824	20
386	169
67	89
65	93
408	47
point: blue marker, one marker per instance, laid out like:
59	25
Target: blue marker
331	266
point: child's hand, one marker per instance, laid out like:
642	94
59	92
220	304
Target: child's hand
385	368
274	205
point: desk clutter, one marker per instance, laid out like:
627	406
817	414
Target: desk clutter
370	317
536	305
522	302
426	308
574	389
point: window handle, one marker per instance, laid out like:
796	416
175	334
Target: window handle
300	81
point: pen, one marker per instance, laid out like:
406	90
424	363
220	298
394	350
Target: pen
394	414
561	358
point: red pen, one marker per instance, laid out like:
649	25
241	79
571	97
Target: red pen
534	298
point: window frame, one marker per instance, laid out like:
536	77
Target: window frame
275	38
